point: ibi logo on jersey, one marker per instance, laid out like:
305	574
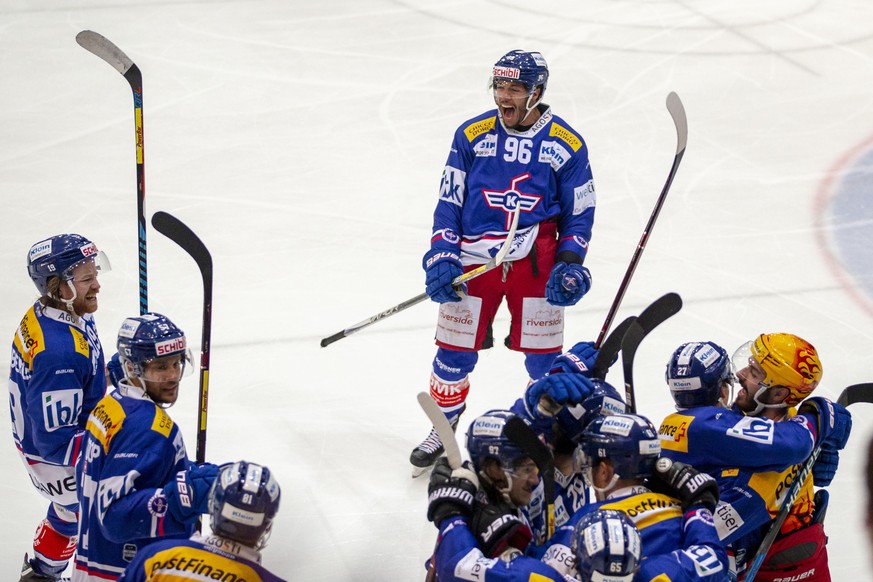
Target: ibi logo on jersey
61	408
750	428
511	198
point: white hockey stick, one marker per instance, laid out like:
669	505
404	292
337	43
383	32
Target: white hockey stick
496	260
443	428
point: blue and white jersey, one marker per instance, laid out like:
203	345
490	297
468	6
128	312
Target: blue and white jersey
492	170
131	449
753	460
57	375
198	558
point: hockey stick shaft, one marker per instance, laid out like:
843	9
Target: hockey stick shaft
457	283
178	232
102	47
443	428
677	112
849	395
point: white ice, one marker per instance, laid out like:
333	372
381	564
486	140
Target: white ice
304	142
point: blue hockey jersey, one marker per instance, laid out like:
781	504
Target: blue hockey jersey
754	460
197	558
56	377
492	170
132	448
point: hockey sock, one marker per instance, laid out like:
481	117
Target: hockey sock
52	549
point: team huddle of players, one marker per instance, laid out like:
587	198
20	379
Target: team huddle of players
689	501
124	497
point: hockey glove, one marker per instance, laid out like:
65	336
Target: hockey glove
441	268
498	527
450	492
833	422
687	484
563	389
825	467
114	370
568	282
188	494
579	359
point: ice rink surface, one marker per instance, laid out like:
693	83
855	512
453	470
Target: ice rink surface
304	143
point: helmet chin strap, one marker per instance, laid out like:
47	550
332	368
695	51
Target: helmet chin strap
761	406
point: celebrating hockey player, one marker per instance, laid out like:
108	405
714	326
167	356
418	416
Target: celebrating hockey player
619	453
517	157
753	451
56	377
135	480
243	502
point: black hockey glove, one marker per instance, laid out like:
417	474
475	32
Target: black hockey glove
686	483
497	527
449	492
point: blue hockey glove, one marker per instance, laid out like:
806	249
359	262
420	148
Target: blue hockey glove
579	359
114	370
568	282
450	493
188	494
833	422
825	467
563	389
441	268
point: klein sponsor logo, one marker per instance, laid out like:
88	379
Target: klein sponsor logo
172	346
40	249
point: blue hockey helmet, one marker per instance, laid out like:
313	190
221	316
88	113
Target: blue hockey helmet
696	373
629	441
486	439
149	337
607	546
243	501
58	256
604	399
527	68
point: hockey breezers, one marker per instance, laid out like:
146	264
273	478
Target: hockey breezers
496	260
178	232
102	47
849	395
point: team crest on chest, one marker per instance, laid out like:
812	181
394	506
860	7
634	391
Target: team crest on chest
511	198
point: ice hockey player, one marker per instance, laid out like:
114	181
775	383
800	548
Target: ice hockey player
135	480
56	377
243	502
753	450
519	156
604	545
619	453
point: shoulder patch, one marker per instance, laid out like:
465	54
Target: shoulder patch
80	343
105	421
565	134
476	129
162	423
29	340
673	433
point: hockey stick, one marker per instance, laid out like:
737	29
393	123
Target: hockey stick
849	395
178	232
106	50
677	112
524	436
659	311
443	428
496	260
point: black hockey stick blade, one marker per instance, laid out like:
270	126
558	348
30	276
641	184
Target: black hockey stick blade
610	348
524	436
654	315
856	393
178	232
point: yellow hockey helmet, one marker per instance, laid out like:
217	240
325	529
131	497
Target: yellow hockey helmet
789	361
